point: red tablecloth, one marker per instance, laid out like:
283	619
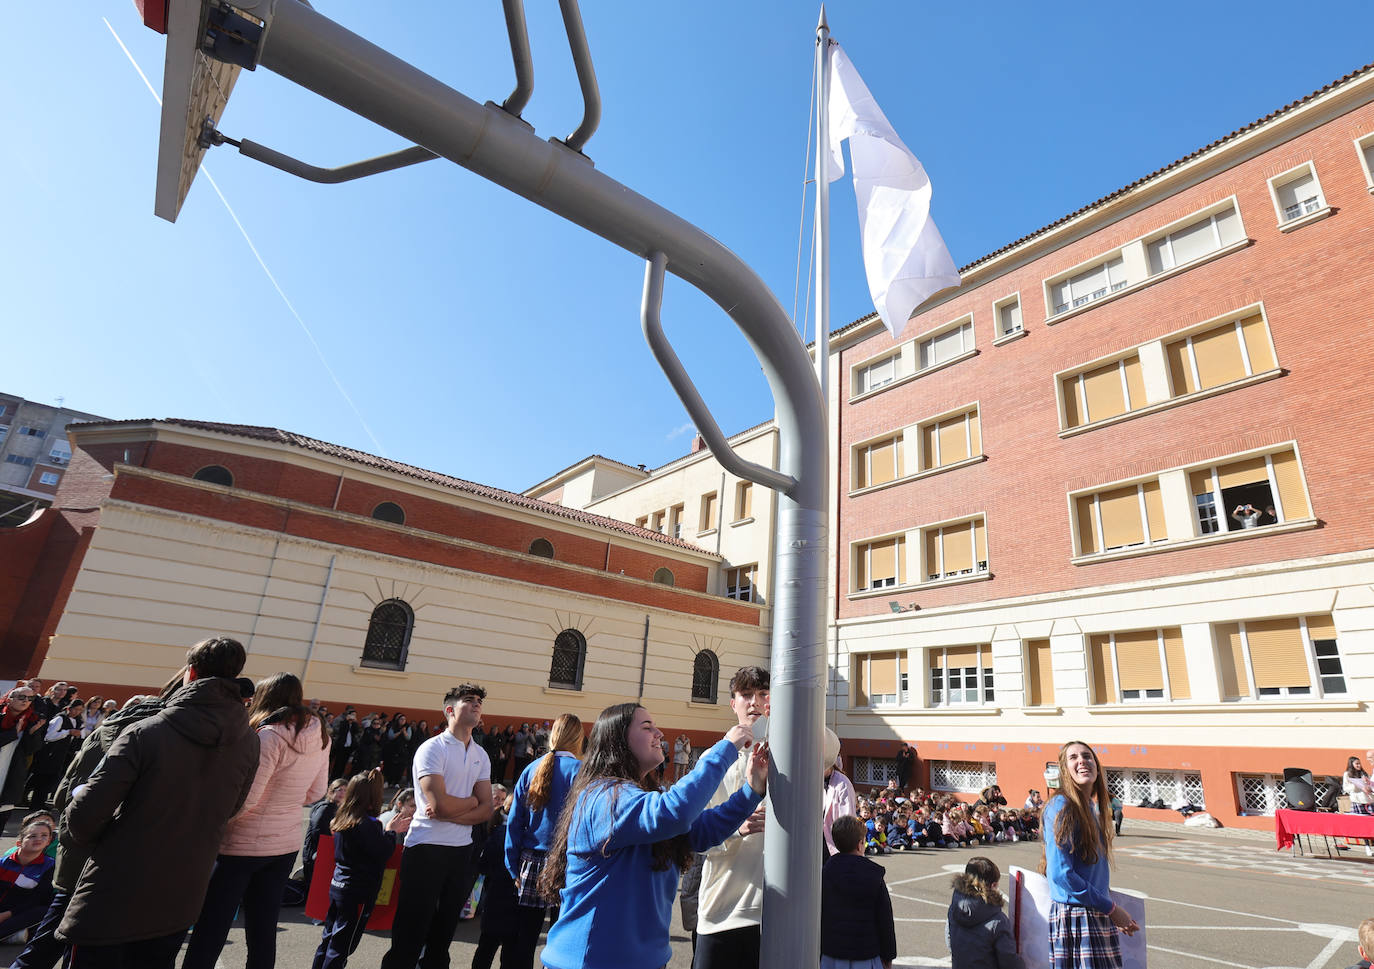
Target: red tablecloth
1289	823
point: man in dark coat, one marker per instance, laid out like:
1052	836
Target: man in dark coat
164	791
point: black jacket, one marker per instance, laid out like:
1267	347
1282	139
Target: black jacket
978	934
360	857
498	888
153	814
856	911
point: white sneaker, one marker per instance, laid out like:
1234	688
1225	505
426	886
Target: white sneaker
1369	850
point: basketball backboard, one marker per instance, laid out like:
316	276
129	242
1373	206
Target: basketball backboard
194	88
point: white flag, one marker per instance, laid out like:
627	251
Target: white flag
904	257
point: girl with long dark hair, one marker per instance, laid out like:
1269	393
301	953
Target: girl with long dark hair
260	842
1356	783
1084	920
621	843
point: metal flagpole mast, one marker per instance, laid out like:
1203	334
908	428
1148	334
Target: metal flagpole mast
822	225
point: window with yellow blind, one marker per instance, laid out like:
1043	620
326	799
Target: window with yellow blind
1117	518
1231	351
880	679
744	501
879	564
951	439
961	675
1293	656
1250	492
875	374
710	506
955	549
1103	391
1140	665
1039	674
877	463
739	583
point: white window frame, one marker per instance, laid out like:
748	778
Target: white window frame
968	342
1219	506
44	476
1313	692
873	771
863	451
966	413
1166	695
742	591
1080	390
1098	540
1363	144
1078	302
61	453
1167	233
864	548
1319	210
866	373
979	568
1008	302
986	679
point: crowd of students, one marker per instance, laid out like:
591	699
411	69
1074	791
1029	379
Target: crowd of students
904	820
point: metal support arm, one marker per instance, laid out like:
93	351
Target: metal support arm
520	57
586	76
687	391
344	173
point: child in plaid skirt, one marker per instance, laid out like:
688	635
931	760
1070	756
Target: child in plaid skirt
1084	921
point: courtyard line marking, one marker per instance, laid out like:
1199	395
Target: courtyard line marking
1323	957
1226	911
923	901
919	878
927	921
1194	955
1229	928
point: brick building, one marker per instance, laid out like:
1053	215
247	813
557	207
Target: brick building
1038	536
375	582
34	452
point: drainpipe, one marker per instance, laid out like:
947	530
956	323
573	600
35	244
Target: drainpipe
644	657
319	615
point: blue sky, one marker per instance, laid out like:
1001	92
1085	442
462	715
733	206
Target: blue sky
475	333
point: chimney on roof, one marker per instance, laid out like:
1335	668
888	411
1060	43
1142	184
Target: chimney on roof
698	444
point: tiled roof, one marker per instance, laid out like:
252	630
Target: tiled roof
277	436
1141	181
728	437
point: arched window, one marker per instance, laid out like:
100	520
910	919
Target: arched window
215	474
705	676
569	657
542	547
388	635
663	577
389	511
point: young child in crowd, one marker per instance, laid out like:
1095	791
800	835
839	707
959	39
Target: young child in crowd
876	843
499	904
977	931
856	910
896	832
956	828
362	847
926	831
47	818
1365	937
402	803
26	879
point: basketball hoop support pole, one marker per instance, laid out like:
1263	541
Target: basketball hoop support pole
307	48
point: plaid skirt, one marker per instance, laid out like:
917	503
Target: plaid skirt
1082	939
527	885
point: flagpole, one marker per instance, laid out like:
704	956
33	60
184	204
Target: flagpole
822	224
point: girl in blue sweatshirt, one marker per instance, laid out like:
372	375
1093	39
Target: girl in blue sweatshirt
362	847
621	843
1078	846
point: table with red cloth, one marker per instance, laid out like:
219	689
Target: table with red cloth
1288	824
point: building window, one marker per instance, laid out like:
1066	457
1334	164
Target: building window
710	505
877	374
1232	351
964	777
958	549
656	523
880	679
19	459
1364	148
1008	314
61	452
642	522
944	346
663	576
874	771
705	677
744	501
1103	392
1264	793
48	478
388	635
1136	787
950	440
1139	666
1296	656
4	431
961	676
215	474
1117	518
1088	285
1249	493
675	515
542	547
389	511
569	658
25	431
1200	238
1297	194
880	564
1039	674
877	463
739	583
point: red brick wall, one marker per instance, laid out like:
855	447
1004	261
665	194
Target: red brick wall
1315	282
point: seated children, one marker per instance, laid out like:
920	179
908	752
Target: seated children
856	910
876	842
926	831
977	931
896	832
26	880
956	828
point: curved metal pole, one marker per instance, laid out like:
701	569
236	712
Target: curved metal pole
520	56
687	391
333	176
586	75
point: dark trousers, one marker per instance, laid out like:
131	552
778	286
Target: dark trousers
731	949
253	884
487	945
343	929
338	760
159	953
43	950
529	922
436	881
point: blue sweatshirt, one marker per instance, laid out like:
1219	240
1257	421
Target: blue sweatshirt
1072	880
535	829
615	907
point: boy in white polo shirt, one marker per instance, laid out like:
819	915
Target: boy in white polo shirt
453	792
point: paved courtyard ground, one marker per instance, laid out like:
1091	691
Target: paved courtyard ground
1212	899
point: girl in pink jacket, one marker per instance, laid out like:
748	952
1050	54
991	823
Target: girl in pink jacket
260	844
